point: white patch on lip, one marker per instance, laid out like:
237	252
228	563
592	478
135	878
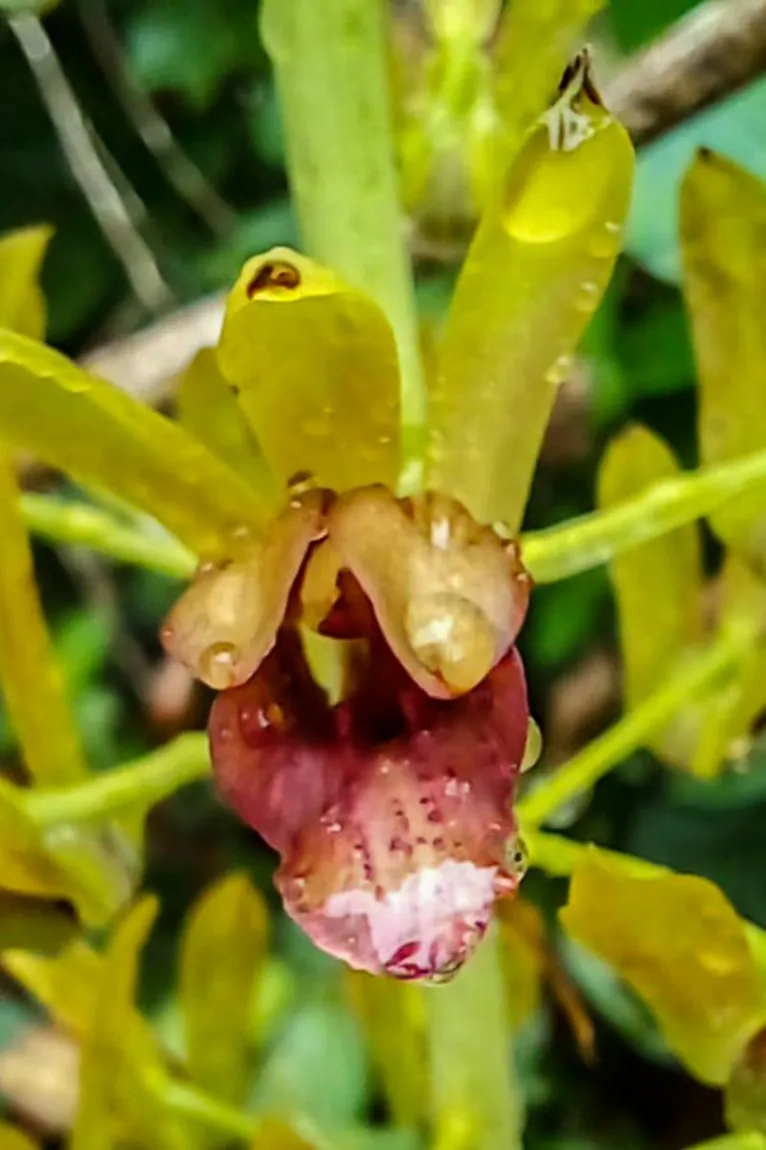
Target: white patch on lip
423	909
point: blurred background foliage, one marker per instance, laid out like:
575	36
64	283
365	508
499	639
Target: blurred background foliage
201	64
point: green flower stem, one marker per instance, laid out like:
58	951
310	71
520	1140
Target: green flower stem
330	60
77	523
717	663
590	540
190	1102
474	1100
137	785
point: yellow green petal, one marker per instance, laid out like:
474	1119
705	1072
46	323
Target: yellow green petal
13	1139
101	437
393	1018
658	585
537	38
208	408
534	275
678	942
30	680
723	240
729	713
222	954
316	367
22	305
120	1061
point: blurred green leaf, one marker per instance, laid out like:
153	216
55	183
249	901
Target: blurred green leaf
120	1065
222	955
316	1069
733	128
635	24
192	46
392	1016
679	943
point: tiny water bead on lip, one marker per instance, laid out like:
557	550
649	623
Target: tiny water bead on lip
392	810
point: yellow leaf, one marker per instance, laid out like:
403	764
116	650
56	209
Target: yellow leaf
524	956
208	408
83	866
723	240
31	682
679	943
533	277
65	984
13	1139
729	713
222	954
316	367
276	1134
745	1096
22	306
658	585
102	437
34	924
392	1016
120	1063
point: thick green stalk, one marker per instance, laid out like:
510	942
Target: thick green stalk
719	661
474	1100
60	521
134	786
559	552
330	61
749	1141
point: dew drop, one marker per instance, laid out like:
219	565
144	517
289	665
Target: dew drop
317	427
605	243
586	298
216	665
559	370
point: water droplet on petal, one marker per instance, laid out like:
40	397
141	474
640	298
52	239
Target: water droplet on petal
216	665
559	370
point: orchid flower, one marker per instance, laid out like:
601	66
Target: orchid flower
391	806
359	624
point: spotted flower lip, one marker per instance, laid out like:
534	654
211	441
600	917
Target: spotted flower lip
392	811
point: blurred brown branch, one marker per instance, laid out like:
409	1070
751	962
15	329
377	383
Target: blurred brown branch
714	51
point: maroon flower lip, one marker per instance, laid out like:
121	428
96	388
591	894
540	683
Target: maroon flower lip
391	809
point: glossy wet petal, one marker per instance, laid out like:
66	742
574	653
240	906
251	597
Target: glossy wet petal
315	367
392	812
533	277
226	622
449	596
208	408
